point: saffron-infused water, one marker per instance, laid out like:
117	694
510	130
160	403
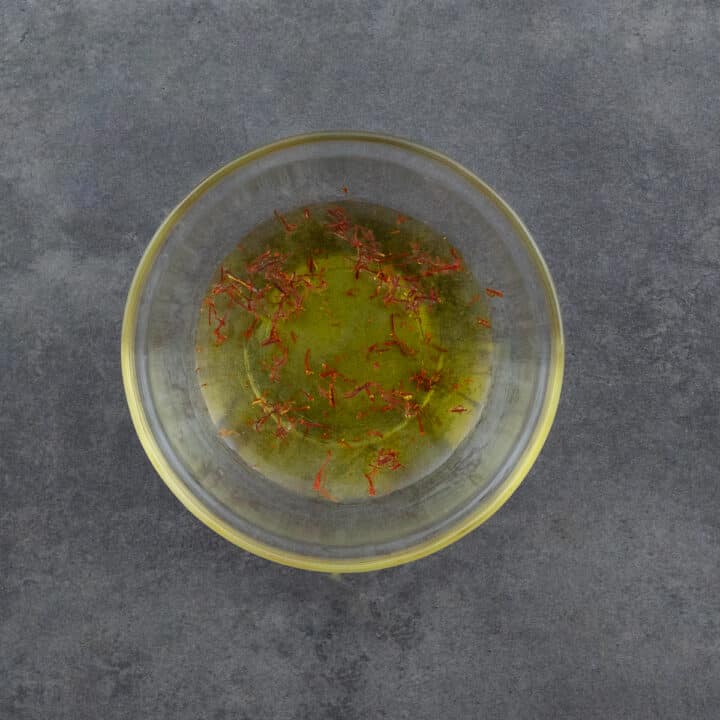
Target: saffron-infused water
343	350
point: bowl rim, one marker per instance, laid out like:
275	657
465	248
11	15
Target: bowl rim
310	562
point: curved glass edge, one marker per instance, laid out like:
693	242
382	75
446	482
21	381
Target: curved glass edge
307	562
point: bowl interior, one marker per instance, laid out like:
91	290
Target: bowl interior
159	360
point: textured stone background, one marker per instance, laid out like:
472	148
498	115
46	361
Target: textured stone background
594	592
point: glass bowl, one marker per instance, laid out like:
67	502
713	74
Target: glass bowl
173	423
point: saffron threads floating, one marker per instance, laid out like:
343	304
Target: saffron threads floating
350	327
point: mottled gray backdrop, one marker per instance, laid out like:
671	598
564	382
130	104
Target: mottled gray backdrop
594	593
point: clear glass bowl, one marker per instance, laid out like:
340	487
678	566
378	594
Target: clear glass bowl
158	357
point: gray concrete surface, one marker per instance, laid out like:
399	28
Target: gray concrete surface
594	592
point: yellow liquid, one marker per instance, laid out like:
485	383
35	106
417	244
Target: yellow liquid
343	354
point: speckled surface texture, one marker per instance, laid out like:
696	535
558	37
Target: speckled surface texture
594	592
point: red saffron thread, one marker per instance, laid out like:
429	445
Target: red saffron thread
289	227
321	471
